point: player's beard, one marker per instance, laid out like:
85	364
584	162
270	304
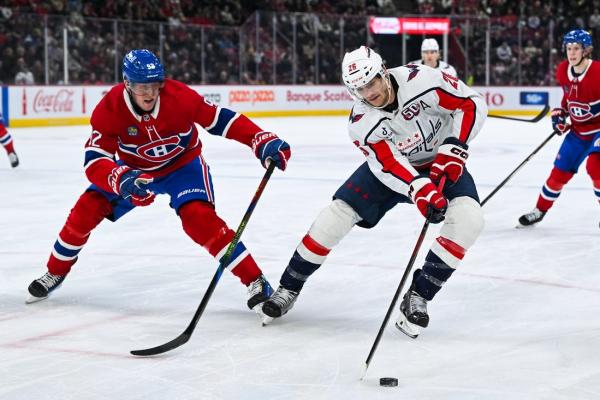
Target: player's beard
388	93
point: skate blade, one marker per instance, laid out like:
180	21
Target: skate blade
33	299
266	320
409	329
520	226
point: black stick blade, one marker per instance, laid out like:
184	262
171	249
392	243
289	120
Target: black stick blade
542	114
163	348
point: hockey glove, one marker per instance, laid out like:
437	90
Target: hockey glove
431	203
450	160
132	184
268	146
559	120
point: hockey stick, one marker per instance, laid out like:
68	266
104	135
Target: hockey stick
185	336
518	168
538	117
400	287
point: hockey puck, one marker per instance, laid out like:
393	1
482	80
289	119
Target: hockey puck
388	382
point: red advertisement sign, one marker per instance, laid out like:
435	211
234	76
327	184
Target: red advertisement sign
395	26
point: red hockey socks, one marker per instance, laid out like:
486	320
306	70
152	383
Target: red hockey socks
552	188
6	140
203	225
593	170
88	212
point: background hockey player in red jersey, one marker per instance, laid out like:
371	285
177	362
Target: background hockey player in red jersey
6	141
413	124
149	123
578	117
431	56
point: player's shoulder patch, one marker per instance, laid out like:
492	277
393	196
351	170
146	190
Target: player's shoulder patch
562	72
413	70
356	115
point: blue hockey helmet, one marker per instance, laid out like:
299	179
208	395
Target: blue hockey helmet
142	66
577	36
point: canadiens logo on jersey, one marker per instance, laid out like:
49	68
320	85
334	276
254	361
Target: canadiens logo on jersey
581	112
161	149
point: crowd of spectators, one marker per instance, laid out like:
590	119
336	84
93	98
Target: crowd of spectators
227	42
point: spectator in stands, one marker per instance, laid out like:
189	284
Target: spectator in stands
94	41
504	52
594	20
24	75
9	63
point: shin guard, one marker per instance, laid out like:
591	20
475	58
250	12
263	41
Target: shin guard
202	224
552	188
593	170
332	225
88	212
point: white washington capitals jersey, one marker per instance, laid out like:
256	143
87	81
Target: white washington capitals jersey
432	106
442	66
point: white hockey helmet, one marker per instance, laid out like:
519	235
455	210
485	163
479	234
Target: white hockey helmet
430	45
360	67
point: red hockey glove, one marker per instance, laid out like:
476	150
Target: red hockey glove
268	146
430	202
131	184
559	120
450	160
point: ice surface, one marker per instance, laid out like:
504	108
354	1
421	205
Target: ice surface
519	320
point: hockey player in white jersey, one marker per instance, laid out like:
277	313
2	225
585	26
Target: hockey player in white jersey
413	124
430	56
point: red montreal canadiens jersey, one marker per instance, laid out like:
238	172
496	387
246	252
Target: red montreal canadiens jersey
160	141
581	98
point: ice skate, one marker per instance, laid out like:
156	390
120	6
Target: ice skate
280	303
14	160
41	288
531	218
258	292
413	314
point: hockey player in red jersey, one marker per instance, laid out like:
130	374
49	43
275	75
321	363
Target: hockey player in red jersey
144	142
413	124
578	118
6	141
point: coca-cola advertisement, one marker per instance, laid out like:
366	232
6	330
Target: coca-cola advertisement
58	101
52	105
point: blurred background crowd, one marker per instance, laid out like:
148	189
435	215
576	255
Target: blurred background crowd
497	42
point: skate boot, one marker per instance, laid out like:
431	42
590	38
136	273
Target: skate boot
259	291
41	288
532	217
413	314
14	160
280	303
